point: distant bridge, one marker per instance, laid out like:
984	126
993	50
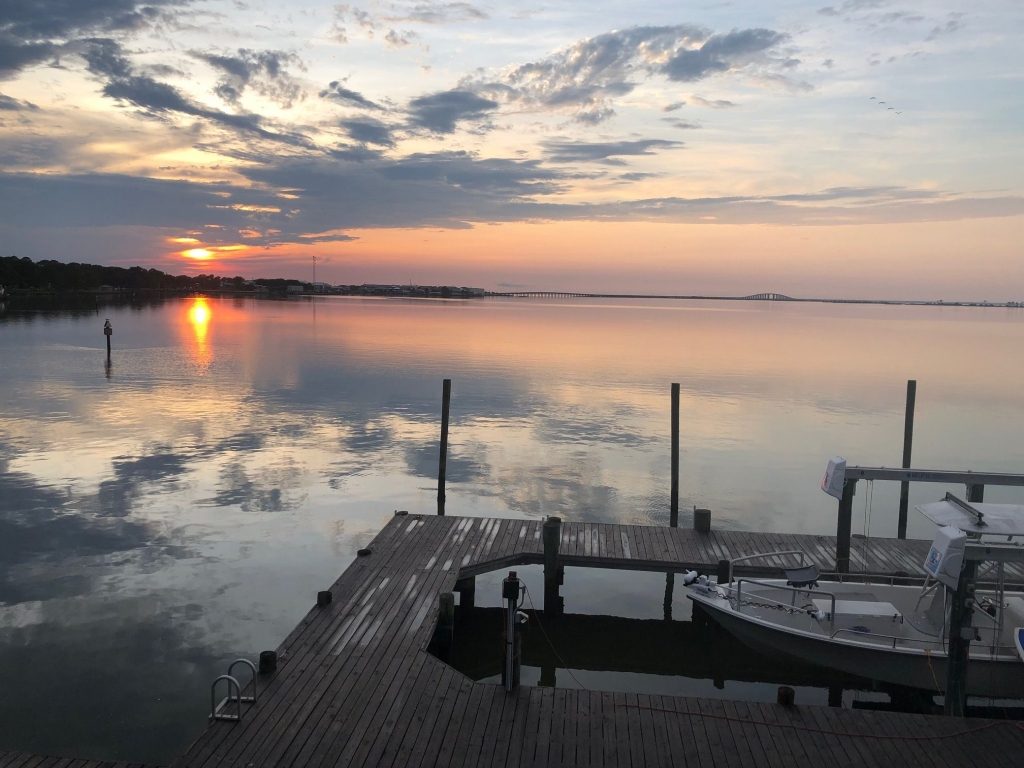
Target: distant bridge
769	297
574	295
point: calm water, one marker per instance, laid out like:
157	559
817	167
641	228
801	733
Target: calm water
184	507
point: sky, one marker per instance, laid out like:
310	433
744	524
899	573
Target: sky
847	148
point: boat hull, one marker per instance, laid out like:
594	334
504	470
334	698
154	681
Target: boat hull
915	669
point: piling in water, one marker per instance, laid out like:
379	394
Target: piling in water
442	463
908	442
674	507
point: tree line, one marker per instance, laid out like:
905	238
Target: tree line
49	275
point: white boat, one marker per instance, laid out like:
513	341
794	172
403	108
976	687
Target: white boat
887	632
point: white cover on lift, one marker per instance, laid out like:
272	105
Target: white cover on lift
946	557
835	476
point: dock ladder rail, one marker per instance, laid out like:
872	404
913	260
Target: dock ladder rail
219	711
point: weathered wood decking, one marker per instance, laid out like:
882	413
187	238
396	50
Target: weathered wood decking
356	686
27	760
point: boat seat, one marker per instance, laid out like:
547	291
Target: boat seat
807	576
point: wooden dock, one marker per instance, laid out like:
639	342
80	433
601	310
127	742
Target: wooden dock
27	760
355	684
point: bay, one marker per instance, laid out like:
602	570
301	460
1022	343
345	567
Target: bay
181	508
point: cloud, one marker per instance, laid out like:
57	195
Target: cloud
722	53
953	24
368	131
852	6
417	13
590	75
16	54
673	106
264	71
105	59
157	99
36	30
441	13
441	112
445	189
683	125
335	91
397	39
9	103
603	151
713	103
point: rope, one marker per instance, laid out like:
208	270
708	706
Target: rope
548	639
829	732
869	505
935	679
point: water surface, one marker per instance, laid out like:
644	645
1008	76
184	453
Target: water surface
181	508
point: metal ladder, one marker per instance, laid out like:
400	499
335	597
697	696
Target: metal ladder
219	711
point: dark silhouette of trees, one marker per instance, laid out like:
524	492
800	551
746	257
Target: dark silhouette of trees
48	275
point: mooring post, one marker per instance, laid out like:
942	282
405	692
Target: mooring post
960	634
673	516
108	331
510	590
442	462
975	493
551	533
467	592
547	675
908	441
702	520
445	624
268	662
835	696
843	527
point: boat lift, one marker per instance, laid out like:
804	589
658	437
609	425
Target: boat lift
975	521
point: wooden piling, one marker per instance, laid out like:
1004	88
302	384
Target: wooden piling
975	493
960	632
445	635
908	441
551	533
442	463
843	527
674	506
467	592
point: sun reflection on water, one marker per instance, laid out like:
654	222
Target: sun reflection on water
199	315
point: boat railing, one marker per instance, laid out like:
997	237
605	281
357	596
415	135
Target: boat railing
800	552
869	633
795	590
996	649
